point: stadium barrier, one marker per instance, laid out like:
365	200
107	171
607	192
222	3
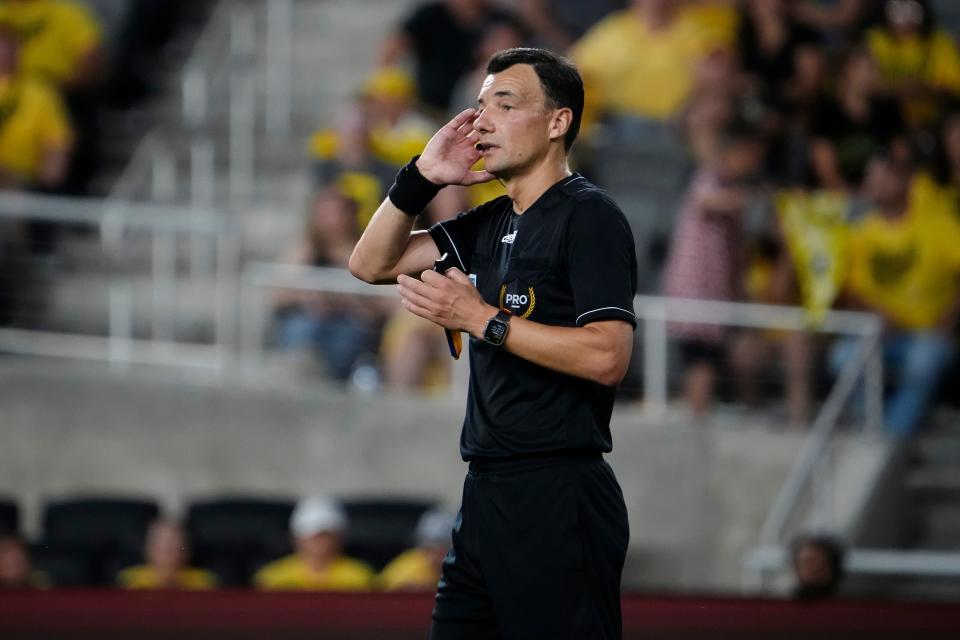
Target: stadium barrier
59	615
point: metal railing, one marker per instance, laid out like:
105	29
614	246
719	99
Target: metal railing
115	223
258	278
870	562
810	473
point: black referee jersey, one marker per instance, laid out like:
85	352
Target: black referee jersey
568	260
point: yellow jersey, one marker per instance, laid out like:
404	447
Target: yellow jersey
32	121
145	577
908	268
292	574
933	60
412	569
630	70
55	36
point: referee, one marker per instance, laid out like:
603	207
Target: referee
540	540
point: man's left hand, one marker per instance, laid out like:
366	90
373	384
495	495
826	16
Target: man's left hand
449	300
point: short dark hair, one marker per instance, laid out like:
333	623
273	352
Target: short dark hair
831	547
561	82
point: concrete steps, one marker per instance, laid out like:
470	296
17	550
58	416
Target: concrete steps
933	485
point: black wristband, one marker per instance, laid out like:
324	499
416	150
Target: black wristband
411	192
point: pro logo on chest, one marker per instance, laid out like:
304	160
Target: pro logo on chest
518	298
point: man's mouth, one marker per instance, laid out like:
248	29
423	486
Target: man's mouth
483	147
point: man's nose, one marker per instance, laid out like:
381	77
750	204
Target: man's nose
482	124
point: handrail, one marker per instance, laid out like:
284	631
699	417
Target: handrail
760	316
657	312
871	561
163	223
816	443
307	278
142	215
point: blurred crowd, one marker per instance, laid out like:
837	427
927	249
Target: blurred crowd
65	65
266	545
801	153
317	544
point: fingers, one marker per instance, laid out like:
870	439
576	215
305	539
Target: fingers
476	177
433	278
462	118
458	276
417	310
415	291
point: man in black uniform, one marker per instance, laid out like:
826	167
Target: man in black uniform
540	540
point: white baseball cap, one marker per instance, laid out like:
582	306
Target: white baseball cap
315	515
435	527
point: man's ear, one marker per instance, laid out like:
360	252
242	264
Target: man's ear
560	124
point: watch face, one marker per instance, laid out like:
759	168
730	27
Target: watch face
496	332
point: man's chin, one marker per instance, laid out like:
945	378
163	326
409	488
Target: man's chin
498	170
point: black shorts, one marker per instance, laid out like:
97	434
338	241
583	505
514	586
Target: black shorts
538	550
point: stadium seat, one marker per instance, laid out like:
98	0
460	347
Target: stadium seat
9	517
234	536
378	529
99	532
64	568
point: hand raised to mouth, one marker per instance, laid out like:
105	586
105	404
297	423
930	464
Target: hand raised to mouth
451	152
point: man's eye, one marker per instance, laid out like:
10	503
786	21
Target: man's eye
505	107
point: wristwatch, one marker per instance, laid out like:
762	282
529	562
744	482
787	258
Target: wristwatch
497	327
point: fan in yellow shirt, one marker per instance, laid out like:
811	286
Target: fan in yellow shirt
166	568
419	568
917	61
61	39
907	267
35	133
641	61
904	265
317	525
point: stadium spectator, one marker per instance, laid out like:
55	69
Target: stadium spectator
36	138
373	139
852	124
15	569
343	160
904	265
559	23
723	95
419	568
317	526
63	45
440	36
166	552
397	130
339	328
840	22
35	133
504	34
753	351
639	63
706	254
817	562
919	62
937	187
780	55
62	42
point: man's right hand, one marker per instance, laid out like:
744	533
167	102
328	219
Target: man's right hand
450	153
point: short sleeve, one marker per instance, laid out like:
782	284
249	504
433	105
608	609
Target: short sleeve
457	238
602	263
